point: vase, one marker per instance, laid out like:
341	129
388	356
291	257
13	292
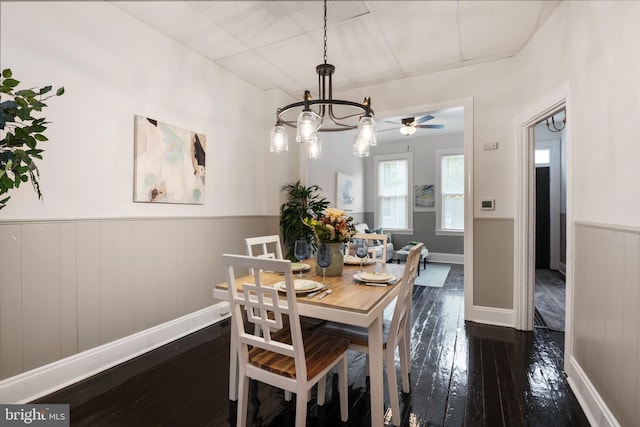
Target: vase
337	261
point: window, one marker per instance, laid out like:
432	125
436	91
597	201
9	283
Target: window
542	156
394	192
450	191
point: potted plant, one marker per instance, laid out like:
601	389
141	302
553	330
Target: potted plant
302	203
21	132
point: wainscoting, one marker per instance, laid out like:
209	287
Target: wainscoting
605	369
70	286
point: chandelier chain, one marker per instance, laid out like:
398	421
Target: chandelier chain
325	31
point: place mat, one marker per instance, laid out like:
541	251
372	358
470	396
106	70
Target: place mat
374	277
300	266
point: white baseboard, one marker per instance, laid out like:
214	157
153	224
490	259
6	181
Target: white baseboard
25	387
595	409
493	316
446	258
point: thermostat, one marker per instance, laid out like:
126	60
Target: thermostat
487	204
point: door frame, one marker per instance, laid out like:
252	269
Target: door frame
524	221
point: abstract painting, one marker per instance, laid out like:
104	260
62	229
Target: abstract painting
424	198
169	163
344	192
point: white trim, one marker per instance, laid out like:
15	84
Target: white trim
46	379
592	404
493	316
446	258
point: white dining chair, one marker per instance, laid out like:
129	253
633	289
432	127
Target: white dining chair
283	355
264	246
376	242
396	333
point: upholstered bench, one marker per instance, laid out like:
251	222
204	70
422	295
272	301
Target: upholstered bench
401	255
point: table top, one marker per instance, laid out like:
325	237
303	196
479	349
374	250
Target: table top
348	295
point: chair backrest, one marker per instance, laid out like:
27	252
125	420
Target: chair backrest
375	240
267	246
402	310
277	317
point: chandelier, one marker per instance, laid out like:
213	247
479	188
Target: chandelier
324	114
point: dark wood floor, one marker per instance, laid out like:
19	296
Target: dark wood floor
550	298
463	374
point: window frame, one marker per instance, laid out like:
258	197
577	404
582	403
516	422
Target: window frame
440	153
408	156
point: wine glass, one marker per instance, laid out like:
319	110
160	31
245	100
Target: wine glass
324	258
362	250
301	251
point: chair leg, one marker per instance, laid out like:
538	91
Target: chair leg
322	390
233	369
392	381
343	389
243	397
405	365
301	408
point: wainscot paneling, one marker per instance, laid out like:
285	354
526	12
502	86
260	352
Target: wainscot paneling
70	286
493	262
606	336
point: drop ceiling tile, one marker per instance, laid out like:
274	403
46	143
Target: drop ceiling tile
422	35
496	28
310	14
359	52
261	73
254	23
182	23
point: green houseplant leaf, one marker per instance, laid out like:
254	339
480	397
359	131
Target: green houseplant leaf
21	133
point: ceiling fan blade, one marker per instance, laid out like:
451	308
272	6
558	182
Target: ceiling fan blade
385	130
424	119
394	123
430	126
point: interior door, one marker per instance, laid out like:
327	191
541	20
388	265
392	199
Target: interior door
543	218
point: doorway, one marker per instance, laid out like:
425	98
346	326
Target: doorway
550	243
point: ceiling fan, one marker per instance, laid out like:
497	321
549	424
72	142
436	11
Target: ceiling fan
410	124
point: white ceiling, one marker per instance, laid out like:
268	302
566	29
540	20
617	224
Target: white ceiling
277	44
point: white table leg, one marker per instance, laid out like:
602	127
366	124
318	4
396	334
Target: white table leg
376	373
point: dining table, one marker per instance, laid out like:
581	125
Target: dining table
351	301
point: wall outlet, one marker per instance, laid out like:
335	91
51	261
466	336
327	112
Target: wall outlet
490	145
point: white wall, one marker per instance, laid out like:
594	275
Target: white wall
112	67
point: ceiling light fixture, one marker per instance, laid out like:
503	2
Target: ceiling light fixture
553	127
330	115
407	130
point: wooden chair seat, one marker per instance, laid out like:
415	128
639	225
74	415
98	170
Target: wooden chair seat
320	350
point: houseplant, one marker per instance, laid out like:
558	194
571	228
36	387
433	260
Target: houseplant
21	132
333	228
302	202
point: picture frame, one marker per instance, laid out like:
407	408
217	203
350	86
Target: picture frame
424	198
345	198
169	163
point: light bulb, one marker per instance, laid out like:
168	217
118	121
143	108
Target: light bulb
279	139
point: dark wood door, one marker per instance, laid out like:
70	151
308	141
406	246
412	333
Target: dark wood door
543	218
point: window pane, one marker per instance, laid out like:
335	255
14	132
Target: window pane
542	156
453	174
393	187
453	212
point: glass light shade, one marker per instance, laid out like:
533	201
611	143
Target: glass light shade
367	130
314	151
360	149
407	130
308	124
279	139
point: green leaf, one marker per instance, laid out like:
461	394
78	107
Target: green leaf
11	82
60	91
45	90
27	93
6	73
41	137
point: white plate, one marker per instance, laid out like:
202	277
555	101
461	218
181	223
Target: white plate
374	277
354	260
300	266
301	286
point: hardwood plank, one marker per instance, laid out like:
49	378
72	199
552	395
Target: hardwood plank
462	374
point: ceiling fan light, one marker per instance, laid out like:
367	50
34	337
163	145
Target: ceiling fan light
407	130
279	139
308	124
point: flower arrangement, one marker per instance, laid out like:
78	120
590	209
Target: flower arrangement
333	227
